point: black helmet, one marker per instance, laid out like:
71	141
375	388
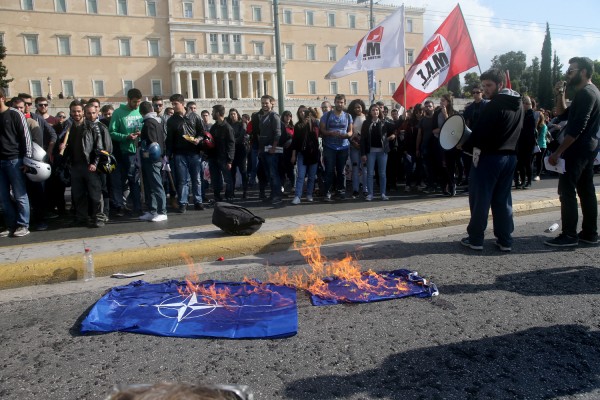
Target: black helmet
107	163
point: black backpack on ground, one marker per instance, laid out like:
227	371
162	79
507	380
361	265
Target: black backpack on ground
236	220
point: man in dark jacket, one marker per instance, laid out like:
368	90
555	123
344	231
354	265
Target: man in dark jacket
220	158
493	144
523	172
152	132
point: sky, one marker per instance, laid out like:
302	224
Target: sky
497	27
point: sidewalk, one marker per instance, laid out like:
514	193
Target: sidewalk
24	265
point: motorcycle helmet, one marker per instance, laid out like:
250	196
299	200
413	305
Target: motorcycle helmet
154	152
208	143
38	153
107	163
37	171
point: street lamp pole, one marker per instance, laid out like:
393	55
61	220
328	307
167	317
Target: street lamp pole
280	98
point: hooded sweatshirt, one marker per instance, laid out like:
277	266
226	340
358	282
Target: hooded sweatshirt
499	126
124	122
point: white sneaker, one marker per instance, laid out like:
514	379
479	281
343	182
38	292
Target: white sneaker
159	218
369	197
384	197
21	231
5	233
537	178
147	216
309	199
296	200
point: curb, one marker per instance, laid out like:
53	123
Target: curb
44	271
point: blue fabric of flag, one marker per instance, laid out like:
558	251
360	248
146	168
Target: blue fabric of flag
263	311
387	285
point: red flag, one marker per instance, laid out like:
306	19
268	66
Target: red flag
508	85
447	53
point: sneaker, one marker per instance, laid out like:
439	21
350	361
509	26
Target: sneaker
296	200
99	224
562	240
276	200
589	239
119	212
536	178
327	197
309	199
198	206
21	231
467	243
147	216
355	194
369	197
502	247
5	233
384	197
159	218
182	208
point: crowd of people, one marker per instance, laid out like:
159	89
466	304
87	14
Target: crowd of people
132	159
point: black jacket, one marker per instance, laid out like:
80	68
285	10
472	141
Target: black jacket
175	143
91	141
152	131
224	149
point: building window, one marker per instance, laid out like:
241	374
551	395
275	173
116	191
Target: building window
312	87
410	56
235	5
224	10
68	88
31	44
127	85
354	87
225	43
188	10
64	46
125	47
310	18
27	5
237	44
1	38
331	20
190	47
409	25
156	87
333	87
311	52
289	87
259	48
153	48
212	9
351	21
393	87
95	46
92	6
36	88
60	6
288	51
213	43
332	51
256	14
151	8
287	17
98	88
121	7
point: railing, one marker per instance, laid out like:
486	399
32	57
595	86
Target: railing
222	57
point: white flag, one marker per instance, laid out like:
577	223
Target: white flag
382	47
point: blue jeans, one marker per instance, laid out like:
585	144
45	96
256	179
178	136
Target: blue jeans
578	179
357	168
156	199
11	176
381	158
253	166
335	164
189	168
489	185
270	165
309	171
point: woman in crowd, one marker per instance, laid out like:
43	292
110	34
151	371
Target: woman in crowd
286	168
305	151
242	145
542	141
357	110
447	160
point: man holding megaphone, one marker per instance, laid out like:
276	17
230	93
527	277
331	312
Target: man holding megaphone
493	144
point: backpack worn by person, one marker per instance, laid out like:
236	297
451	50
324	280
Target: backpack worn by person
235	220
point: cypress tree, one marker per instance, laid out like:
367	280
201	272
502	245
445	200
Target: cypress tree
3	70
545	82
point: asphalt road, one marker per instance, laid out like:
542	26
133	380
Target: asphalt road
524	325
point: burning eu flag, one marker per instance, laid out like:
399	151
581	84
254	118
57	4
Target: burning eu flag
231	310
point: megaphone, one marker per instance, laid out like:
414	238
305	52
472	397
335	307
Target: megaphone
454	132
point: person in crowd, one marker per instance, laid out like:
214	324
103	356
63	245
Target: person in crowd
471	115
336	129
525	147
286	168
542	139
15	144
445	160
55	187
412	164
578	148
220	158
158	105
395	168
427	147
242	147
205	115
41	108
169	111
493	144
305	151
154	193
325	107
268	125
184	133
357	109
125	126
375	139
106	112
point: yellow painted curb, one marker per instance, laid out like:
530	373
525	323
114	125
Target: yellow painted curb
43	271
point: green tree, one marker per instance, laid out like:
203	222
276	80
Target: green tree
535	76
545	82
3	70
596	75
557	67
471	80
515	62
454	86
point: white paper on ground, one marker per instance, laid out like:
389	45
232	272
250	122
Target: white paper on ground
121	275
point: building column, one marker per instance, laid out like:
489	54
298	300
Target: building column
250	85
215	92
238	87
274	83
226	85
190	90
177	81
261	85
202	86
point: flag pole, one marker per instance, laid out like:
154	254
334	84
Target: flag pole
471	40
